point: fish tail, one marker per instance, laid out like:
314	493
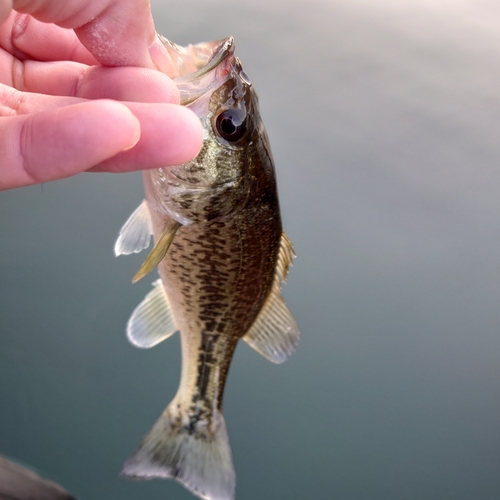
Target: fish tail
192	449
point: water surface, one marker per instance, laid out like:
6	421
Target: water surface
384	122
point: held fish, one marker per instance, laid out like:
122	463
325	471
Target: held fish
222	256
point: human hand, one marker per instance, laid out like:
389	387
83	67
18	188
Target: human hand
60	85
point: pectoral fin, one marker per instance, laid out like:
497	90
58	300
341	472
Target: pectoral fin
135	234
275	333
152	320
159	250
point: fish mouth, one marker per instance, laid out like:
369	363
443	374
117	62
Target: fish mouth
197	66
221	50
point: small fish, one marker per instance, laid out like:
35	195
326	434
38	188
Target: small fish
19	483
222	256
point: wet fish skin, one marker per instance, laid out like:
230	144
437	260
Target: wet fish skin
222	274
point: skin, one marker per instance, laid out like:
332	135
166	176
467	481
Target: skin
85	93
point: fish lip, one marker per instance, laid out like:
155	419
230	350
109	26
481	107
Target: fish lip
221	52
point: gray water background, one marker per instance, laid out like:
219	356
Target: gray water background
384	123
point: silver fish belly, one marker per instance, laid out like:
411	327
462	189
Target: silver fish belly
222	256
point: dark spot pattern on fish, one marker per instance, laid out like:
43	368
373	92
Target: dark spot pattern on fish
219	269
218	275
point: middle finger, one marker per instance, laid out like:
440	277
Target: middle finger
67	78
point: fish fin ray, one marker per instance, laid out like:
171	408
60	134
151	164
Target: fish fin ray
135	235
275	333
199	457
286	255
159	250
152	320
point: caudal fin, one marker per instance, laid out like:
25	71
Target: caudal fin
197	454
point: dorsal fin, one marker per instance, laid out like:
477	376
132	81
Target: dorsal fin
152	320
135	234
275	333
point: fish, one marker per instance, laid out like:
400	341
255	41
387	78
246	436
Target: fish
222	257
20	483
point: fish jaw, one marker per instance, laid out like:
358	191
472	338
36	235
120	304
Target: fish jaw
219	182
190	59
200	68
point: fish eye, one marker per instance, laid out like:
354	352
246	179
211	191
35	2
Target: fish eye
231	124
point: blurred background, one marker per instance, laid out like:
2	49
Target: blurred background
384	122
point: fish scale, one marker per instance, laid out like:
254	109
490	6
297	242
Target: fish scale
222	256
226	303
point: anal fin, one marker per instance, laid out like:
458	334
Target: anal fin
152	320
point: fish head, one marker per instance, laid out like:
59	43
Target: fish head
235	154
